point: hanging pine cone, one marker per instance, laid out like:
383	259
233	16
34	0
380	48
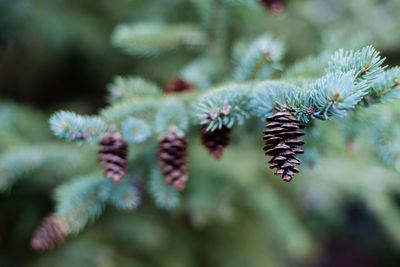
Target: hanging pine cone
282	143
178	85
50	233
113	155
276	7
172	156
215	141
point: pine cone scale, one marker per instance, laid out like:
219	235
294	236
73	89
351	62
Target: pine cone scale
282	143
113	156
172	156
215	141
178	85
51	232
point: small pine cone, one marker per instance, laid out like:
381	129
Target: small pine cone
172	156
50	233
282	143
215	141
177	85
276	7
113	155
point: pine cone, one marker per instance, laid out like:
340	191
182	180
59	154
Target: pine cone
215	141
113	155
172	156
282	143
276	7
177	85
50	233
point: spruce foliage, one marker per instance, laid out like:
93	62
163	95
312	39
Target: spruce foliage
236	85
350	80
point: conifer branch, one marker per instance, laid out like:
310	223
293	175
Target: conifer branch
384	129
317	88
124	88
150	39
171	112
23	160
366	63
386	87
225	105
135	131
79	202
259	59
164	195
141	108
199	72
349	78
124	196
74	127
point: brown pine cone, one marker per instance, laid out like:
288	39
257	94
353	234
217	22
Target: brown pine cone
172	157
178	85
113	155
276	7
282	143
215	141
50	233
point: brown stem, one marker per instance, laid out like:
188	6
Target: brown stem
395	84
260	65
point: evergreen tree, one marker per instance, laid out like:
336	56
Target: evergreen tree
219	101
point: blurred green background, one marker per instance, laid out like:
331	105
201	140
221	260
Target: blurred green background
344	211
